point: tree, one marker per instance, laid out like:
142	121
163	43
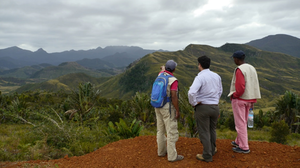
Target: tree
287	108
142	108
187	111
83	101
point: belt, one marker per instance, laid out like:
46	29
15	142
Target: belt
199	104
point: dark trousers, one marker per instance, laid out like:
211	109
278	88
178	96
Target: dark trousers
206	117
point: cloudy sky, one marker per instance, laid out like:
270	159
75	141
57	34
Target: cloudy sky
60	25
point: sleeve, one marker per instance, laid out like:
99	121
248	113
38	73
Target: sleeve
174	85
221	88
239	84
192	93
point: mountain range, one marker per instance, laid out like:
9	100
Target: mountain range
277	72
108	57
278	43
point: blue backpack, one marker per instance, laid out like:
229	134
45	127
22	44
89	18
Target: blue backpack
159	91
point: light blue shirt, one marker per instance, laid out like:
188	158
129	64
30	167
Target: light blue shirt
206	88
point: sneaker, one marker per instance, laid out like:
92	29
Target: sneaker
234	144
239	150
179	157
200	157
216	150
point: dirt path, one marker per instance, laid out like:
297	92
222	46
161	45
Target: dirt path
141	152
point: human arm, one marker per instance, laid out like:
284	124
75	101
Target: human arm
192	93
220	88
239	84
175	102
162	69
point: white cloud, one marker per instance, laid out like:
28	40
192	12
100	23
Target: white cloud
60	25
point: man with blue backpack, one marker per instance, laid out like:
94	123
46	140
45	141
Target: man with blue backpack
164	97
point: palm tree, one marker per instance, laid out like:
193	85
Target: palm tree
142	107
188	112
83	101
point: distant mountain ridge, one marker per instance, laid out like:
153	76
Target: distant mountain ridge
277	72
278	43
14	57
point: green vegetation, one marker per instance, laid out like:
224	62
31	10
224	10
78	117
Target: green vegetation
75	114
50	125
279	132
123	130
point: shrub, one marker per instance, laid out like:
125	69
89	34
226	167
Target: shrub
261	119
123	130
279	132
229	122
221	119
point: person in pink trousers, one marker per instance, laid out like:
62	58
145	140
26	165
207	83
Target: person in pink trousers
244	92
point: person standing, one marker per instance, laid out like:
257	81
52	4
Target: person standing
244	92
167	116
204	96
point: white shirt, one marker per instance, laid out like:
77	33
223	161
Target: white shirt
206	88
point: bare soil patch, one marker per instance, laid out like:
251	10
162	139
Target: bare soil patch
142	152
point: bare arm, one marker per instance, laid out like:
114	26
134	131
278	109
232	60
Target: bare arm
175	102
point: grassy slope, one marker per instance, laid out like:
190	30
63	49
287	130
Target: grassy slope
53	72
66	82
277	72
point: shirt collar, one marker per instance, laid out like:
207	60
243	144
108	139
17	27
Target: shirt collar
204	70
168	72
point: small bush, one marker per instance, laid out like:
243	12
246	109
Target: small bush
123	130
280	131
229	122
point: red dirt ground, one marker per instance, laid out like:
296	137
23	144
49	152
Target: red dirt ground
141	152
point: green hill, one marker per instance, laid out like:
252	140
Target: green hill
24	72
53	72
277	72
65	82
278	43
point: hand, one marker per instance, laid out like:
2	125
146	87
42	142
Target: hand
177	115
163	68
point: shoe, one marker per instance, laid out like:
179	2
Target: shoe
200	157
239	150
216	150
234	144
179	157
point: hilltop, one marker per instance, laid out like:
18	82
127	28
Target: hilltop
134	153
278	43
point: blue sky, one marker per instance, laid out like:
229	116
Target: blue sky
60	25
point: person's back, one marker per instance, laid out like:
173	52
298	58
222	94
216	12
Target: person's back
167	116
244	92
204	95
210	86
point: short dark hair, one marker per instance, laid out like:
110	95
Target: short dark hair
204	61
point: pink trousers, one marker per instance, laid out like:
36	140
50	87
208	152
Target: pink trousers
240	111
